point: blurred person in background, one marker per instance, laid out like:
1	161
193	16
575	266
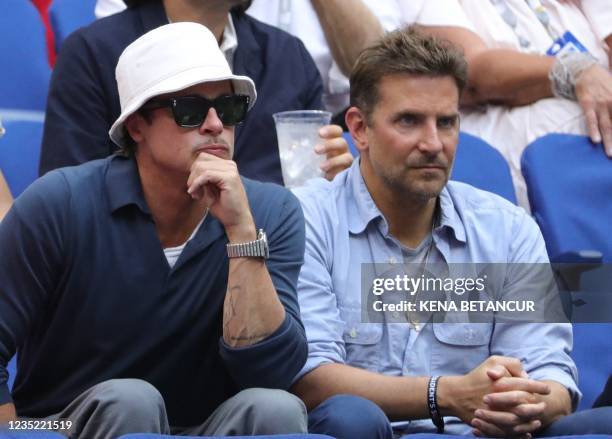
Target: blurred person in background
334	33
83	99
535	67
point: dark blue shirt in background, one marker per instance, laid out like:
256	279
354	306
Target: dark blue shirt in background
83	99
86	295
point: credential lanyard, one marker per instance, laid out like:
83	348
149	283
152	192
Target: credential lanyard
510	18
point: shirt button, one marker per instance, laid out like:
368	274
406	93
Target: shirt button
353	333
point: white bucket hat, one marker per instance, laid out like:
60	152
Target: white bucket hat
170	58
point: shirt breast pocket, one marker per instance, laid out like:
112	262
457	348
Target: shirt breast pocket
459	347
362	341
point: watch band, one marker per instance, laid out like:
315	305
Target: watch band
251	249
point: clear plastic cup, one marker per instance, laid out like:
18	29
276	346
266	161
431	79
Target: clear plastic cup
298	133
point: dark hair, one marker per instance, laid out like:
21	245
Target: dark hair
403	51
242	7
238	9
129	145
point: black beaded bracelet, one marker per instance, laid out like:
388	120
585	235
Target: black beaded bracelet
432	403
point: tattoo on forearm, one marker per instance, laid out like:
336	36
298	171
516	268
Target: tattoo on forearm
229	310
229	314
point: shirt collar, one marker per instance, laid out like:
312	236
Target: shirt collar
449	217
229	44
123	186
363	209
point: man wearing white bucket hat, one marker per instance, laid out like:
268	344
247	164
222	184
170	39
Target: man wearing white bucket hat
84	101
155	290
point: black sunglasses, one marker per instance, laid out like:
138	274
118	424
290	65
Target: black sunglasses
191	111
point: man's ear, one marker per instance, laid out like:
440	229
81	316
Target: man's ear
357	124
133	125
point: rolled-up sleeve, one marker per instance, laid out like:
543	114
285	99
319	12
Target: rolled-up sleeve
543	348
318	303
274	362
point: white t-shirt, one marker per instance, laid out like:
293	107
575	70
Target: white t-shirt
599	14
173	253
433	13
299	18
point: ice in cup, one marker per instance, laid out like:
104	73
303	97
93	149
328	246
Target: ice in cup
298	133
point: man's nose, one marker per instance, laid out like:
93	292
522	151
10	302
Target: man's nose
212	123
430	139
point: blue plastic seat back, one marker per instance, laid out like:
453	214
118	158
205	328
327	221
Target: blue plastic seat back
569	183
25	72
592	354
20	153
66	16
476	163
479	164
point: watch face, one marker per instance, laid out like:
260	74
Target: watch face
263	239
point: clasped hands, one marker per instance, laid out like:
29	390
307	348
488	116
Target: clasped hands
498	399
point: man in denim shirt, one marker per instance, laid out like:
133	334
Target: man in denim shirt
396	205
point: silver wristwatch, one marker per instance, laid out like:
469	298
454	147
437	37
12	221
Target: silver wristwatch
251	249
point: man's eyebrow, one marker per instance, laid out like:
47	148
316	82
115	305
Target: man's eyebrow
454	115
420	114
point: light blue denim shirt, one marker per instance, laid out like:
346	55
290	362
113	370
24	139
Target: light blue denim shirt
344	229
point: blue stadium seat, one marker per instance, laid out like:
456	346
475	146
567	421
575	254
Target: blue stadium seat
479	164
569	183
66	16
25	72
476	163
20	151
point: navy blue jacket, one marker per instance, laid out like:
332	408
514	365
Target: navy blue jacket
84	102
87	295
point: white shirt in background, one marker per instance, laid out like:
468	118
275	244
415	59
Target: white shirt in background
299	18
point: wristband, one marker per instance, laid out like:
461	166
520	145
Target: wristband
565	72
432	404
